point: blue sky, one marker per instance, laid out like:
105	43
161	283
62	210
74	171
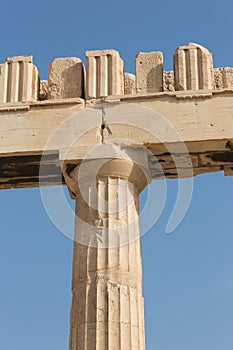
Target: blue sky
188	275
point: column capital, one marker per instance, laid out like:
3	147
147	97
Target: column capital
108	160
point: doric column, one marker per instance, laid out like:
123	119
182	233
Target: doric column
107	306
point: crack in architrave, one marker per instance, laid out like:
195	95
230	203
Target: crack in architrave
104	125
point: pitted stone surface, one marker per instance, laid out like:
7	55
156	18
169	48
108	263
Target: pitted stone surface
168	81
43	90
223	78
66	78
217	79
227	74
129	84
149	72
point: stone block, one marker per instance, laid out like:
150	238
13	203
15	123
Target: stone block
227	77
19	80
43	95
168	81
217	79
193	68
223	78
105	73
149	72
66	78
129	84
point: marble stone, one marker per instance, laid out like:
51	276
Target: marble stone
19	80
129	84
66	78
193	68
107	307
105	73
149	72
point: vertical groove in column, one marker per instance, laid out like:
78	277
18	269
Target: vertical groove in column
21	82
200	70
108	217
176	70
87	306
110	75
194	81
117	219
140	321
127	229
101	321
130	319
187	66
113	235
9	79
134	232
97	77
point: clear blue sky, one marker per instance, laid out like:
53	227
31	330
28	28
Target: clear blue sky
188	275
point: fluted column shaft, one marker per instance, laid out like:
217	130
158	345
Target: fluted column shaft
107	305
